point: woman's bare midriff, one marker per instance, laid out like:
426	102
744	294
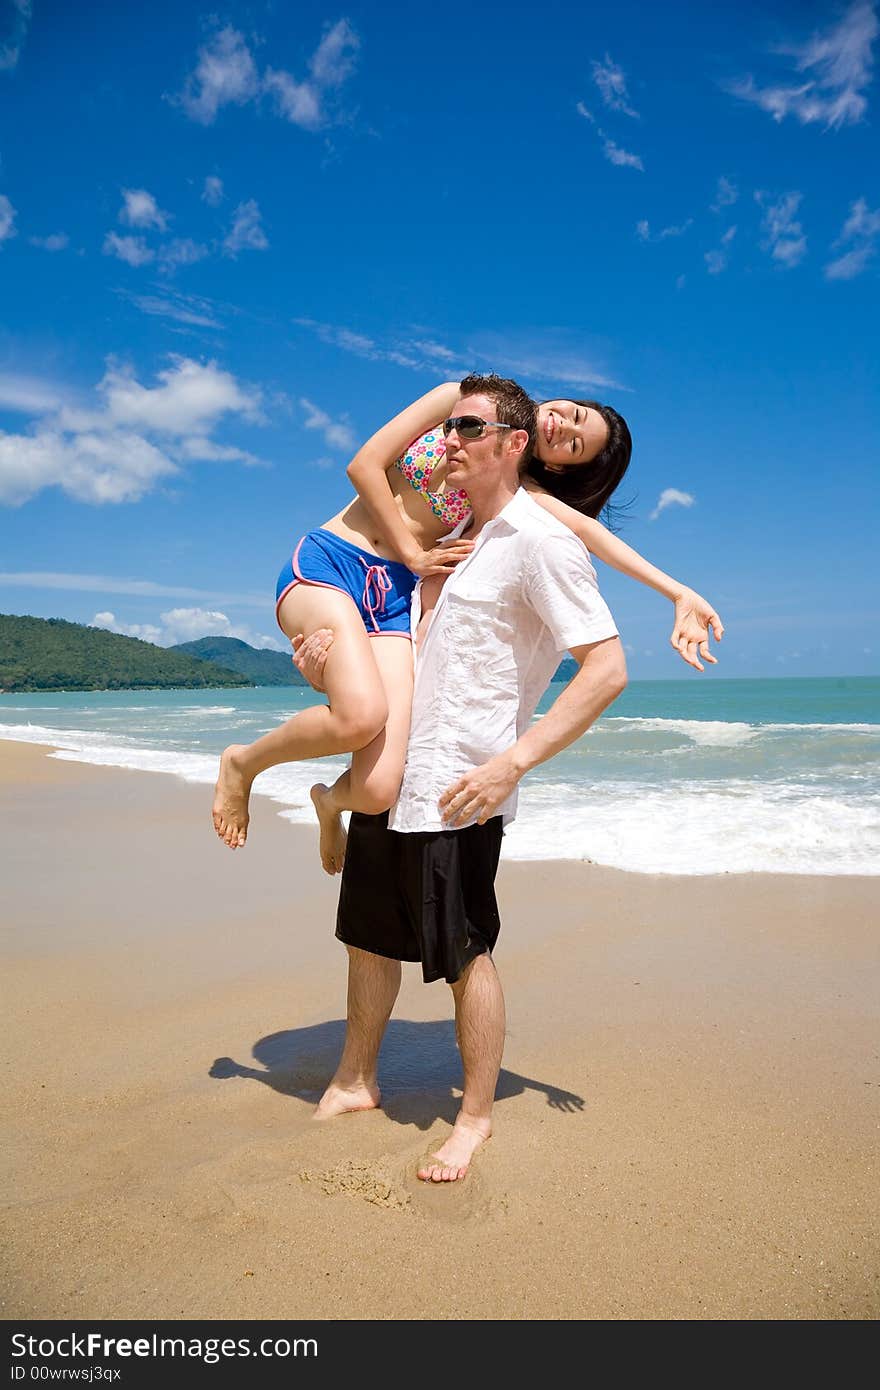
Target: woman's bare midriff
355	524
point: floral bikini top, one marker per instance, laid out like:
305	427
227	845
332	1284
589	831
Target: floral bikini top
418	463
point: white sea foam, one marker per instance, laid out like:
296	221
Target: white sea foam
744	828
705	732
733	826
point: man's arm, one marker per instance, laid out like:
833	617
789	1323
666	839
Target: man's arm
598	682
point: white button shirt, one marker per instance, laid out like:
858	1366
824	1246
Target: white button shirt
526	594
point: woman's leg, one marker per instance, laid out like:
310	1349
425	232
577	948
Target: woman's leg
372	782
355	715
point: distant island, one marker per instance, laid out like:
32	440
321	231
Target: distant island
260	665
52	654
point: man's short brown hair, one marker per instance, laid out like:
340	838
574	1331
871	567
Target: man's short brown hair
513	405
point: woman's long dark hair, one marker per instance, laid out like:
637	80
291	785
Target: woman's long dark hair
588	486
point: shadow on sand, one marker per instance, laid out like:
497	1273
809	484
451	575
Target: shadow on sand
419	1069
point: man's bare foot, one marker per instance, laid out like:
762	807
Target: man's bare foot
230	811
332	838
341	1100
452	1159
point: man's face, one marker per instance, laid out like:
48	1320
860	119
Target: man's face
477	463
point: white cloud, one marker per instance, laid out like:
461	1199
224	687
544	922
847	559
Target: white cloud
131	249
784	235
140	209
335	57
10	48
116	466
432	349
198	447
861	232
170	304
30	395
212	193
180	251
302	103
147	632
616	155
610	80
297	102
246	232
337	435
672	497
188	625
726	195
57	241
681	282
7	219
610	149
548	360
643	230
716	260
838	63
190	400
225	74
103	455
109	584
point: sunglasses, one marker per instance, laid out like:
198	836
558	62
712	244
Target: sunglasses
471	426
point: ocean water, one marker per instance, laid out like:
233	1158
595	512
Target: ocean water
690	777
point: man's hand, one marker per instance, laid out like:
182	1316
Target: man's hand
440	559
694	616
480	792
310	656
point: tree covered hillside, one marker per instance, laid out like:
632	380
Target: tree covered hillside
258	664
51	654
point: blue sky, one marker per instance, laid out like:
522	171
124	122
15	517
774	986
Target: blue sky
233	242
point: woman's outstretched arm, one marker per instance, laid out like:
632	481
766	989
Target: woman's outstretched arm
694	615
368	472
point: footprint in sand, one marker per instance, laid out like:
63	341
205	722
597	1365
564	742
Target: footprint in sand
355	1178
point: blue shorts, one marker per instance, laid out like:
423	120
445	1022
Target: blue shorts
380	589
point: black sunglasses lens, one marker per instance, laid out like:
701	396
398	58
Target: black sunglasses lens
470	427
466	426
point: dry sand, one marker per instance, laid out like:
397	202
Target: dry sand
687	1119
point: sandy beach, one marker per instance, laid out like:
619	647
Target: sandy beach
687	1117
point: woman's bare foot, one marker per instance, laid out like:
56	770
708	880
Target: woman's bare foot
230	811
452	1159
332	838
342	1100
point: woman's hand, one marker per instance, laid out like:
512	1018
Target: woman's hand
440	559
310	656
694	616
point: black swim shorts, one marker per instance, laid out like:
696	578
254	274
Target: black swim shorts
428	896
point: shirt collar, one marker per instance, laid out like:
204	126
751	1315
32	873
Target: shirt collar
517	511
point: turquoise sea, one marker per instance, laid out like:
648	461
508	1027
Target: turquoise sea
694	776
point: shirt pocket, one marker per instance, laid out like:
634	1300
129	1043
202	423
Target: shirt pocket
484	638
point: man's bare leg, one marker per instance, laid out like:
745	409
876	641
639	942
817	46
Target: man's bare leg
479	1027
373	984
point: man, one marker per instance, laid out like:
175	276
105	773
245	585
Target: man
418	882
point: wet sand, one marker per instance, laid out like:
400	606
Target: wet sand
687	1115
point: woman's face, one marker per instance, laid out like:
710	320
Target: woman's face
569	433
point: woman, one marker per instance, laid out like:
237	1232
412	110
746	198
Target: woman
354	577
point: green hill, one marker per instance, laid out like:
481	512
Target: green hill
261	666
51	654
